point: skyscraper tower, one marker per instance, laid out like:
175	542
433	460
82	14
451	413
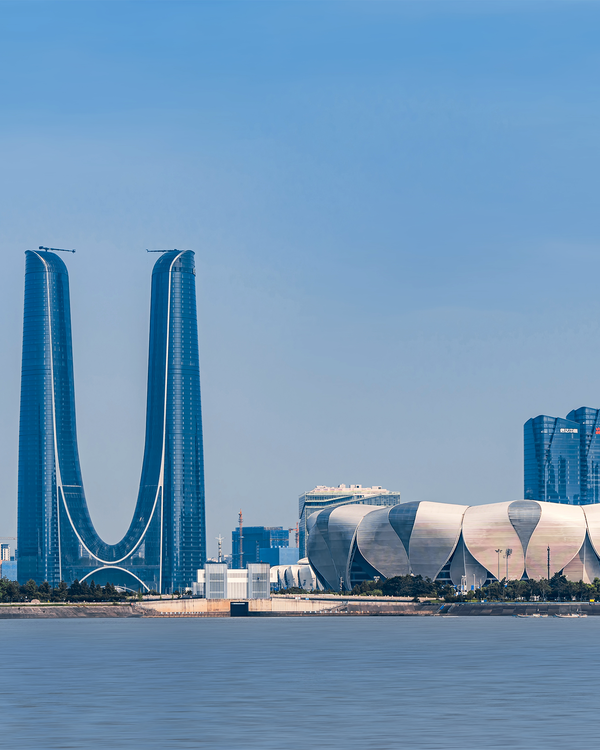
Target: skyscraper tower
552	460
165	543
589	452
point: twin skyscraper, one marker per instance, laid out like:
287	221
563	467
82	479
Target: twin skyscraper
165	543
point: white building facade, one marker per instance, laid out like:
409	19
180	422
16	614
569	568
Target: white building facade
455	543
217	581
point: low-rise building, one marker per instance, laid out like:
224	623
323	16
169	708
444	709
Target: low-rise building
9	570
299	575
217	581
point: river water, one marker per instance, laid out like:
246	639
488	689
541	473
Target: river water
298	683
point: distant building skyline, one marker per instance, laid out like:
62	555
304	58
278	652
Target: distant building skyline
256	542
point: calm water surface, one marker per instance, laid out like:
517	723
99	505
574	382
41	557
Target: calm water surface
412	683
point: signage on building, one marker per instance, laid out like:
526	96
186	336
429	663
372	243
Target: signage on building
568	429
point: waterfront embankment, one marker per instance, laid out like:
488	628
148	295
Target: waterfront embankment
274	607
317	606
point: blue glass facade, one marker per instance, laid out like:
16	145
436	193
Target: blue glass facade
552	460
279	555
165	542
254	539
589	452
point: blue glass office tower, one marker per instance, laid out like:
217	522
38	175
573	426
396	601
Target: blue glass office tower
165	543
255	540
588	421
552	460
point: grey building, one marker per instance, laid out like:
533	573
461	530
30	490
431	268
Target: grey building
331	497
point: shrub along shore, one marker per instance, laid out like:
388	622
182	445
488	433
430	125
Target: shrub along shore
557	589
12	592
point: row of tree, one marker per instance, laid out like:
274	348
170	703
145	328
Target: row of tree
558	588
11	591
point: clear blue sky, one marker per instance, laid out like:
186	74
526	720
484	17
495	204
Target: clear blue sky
394	208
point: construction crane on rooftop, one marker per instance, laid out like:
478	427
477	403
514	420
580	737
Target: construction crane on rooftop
56	249
173	250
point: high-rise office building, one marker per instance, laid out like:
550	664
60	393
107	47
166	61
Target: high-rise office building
255	541
4	552
332	497
165	543
552	456
588	421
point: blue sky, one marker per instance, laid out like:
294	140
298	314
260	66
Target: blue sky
394	213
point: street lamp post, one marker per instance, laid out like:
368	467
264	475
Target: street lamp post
498	551
507	554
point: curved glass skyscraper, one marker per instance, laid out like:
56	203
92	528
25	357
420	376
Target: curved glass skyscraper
165	543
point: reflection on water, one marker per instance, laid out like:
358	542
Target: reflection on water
292	683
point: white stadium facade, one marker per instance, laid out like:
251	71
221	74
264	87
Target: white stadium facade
458	544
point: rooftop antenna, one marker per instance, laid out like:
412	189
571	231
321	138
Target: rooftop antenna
56	249
220	541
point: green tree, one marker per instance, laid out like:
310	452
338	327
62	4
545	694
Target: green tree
409	586
60	593
365	588
13	591
560	588
86	592
75	590
44	591
30	589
